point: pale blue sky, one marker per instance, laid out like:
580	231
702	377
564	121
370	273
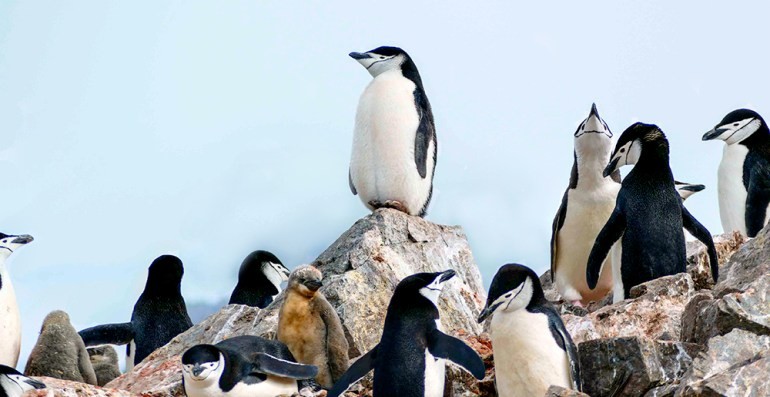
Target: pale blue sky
210	129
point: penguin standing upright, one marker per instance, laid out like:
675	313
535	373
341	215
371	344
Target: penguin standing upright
10	320
14	384
649	216
259	280
159	315
744	173
585	207
242	366
410	359
533	349
394	142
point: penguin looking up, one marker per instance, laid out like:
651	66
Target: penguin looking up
259	280
394	142
649	216
159	315
533	349
14	384
585	207
410	359
242	366
744	173
10	320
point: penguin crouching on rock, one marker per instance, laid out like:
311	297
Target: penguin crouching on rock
649	216
410	359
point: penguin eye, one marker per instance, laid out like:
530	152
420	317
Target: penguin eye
735	124
622	150
5	241
382	57
508	295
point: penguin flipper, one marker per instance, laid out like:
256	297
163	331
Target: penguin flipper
564	340
267	364
350	183
450	348
701	233
757	200
426	133
558	222
609	234
358	370
108	334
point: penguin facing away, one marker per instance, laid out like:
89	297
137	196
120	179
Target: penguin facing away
533	349
649	216
744	173
393	158
259	280
410	359
10	321
242	366
14	384
585	207
104	360
159	315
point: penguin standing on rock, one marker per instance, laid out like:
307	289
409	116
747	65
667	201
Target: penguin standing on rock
14	384
394	142
159	315
10	320
649	216
104	360
533	349
585	207
259	280
410	359
744	173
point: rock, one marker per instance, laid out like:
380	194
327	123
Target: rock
699	319
736	364
746	265
697	257
558	391
631	365
65	388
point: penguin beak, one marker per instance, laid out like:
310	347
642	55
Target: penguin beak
358	55
445	276
36	384
611	167
313	285
197	369
594	111
714	133
487	312
23	239
693	188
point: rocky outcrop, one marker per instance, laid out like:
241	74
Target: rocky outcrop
65	388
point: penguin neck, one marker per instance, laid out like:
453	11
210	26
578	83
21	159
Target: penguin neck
589	166
409	70
654	159
760	137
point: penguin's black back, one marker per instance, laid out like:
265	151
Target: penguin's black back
254	288
240	353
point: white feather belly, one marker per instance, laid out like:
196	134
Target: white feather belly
527	358
732	192
272	386
382	165
435	370
10	322
587	212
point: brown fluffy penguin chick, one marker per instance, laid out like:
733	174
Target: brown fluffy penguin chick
104	359
310	327
59	352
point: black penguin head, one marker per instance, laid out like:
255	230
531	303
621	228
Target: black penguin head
381	59
628	150
260	263
686	190
513	288
305	280
14	384
165	274
202	365
10	243
428	285
737	126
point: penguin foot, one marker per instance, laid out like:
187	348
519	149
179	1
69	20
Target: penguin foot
577	303
393	204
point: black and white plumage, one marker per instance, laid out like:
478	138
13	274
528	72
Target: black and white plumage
394	143
159	314
410	359
14	384
649	215
10	318
585	207
533	349
686	190
242	366
259	280
744	173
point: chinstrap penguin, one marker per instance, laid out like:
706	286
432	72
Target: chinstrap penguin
533	349
259	280
686	190
649	216
10	321
311	328
59	352
242	366
159	315
585	207
410	359
744	173
104	360
14	384
394	143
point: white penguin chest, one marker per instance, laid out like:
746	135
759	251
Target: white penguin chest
270	387
10	322
527	358
732	192
435	371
